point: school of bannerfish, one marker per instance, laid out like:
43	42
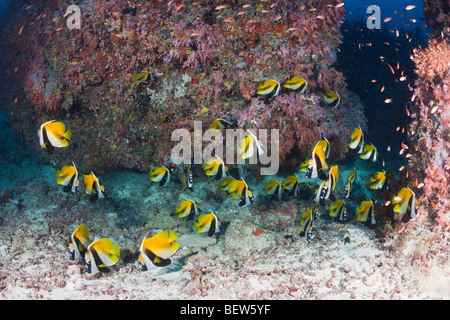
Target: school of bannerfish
100	255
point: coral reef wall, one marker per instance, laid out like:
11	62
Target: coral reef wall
205	61
429	132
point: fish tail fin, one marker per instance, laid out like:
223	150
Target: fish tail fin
68	134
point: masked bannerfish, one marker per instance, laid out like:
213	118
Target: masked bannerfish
188	181
101	255
297	84
327	187
270	88
349	185
207	223
141	77
220	124
317	164
370	153
246	147
94	187
357	140
366	212
53	135
241	191
378	180
306	224
216	167
304	165
315	211
338	209
273	188
187	208
406	203
79	241
225	183
325	145
68	177
158	249
161	175
291	185
332	98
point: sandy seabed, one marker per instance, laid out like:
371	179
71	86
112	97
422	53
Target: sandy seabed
238	263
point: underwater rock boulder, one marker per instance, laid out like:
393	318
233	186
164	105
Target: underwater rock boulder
200	64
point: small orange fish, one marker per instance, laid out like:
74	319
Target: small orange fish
179	7
388	148
392	69
73	63
320	17
397	198
410	7
434	109
420	185
407	112
388	101
387	19
339	5
401	168
220	7
404	146
382	89
20	31
387	203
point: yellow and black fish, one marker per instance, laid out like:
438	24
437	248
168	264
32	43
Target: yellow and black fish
241	191
161	175
296	84
94	187
187	208
216	167
306	224
158	249
101	255
270	88
366	212
141	77
327	187
315	211
207	223
325	145
317	165
220	124
53	135
338	209
304	165
246	147
349	185
274	189
291	185
406	203
225	183
332	98
357	140
189	180
378	180
370	153
79	241
68	177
